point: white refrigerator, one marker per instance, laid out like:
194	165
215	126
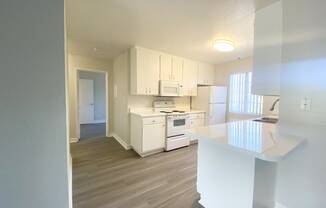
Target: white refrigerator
211	99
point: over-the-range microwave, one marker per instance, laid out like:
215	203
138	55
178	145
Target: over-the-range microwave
169	88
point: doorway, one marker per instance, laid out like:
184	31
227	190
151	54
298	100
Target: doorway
92	103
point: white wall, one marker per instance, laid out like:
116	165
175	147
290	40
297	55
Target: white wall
120	100
223	72
99	93
81	62
33	140
301	176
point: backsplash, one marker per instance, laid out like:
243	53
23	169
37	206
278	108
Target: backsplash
182	103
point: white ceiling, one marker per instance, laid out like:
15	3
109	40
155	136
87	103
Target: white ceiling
181	27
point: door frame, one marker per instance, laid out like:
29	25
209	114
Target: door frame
77	122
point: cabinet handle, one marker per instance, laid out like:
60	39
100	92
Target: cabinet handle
146	91
150	91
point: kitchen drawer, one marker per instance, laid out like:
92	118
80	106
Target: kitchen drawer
197	115
153	120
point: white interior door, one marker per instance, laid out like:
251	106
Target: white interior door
86	101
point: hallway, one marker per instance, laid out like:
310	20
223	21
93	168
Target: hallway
91	131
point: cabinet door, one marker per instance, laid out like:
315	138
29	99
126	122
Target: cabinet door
148	71
267	50
206	74
153	136
199	122
177	67
189	82
165	67
193	123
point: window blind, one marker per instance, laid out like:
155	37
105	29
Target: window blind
241	100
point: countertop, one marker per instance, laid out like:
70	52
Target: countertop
261	140
195	111
148	114
155	114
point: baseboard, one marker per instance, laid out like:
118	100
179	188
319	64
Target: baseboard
73	140
278	205
121	141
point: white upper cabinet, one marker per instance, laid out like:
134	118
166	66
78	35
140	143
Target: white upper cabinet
267	50
190	73
165	67
148	67
171	68
144	71
177	68
206	74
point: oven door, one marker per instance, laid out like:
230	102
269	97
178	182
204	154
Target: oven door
176	126
169	88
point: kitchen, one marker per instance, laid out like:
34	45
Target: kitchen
162	101
269	55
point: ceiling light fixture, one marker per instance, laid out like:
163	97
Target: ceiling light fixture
223	45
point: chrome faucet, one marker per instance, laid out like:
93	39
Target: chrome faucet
274	103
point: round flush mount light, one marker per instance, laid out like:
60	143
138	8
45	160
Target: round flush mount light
223	45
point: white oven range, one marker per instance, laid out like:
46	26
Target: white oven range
175	131
176	124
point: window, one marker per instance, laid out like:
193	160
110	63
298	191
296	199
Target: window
241	100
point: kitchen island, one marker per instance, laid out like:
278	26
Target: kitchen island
237	163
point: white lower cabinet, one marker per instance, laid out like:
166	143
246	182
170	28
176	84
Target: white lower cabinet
147	135
196	120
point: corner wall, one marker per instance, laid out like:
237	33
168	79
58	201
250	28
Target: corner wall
301	176
33	141
120	98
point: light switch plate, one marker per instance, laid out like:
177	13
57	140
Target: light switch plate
115	93
303	104
308	105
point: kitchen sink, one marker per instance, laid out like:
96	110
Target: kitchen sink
266	120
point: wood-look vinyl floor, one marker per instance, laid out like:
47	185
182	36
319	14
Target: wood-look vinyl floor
107	176
90	131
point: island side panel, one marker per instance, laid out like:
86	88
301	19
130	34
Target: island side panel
225	177
265	181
